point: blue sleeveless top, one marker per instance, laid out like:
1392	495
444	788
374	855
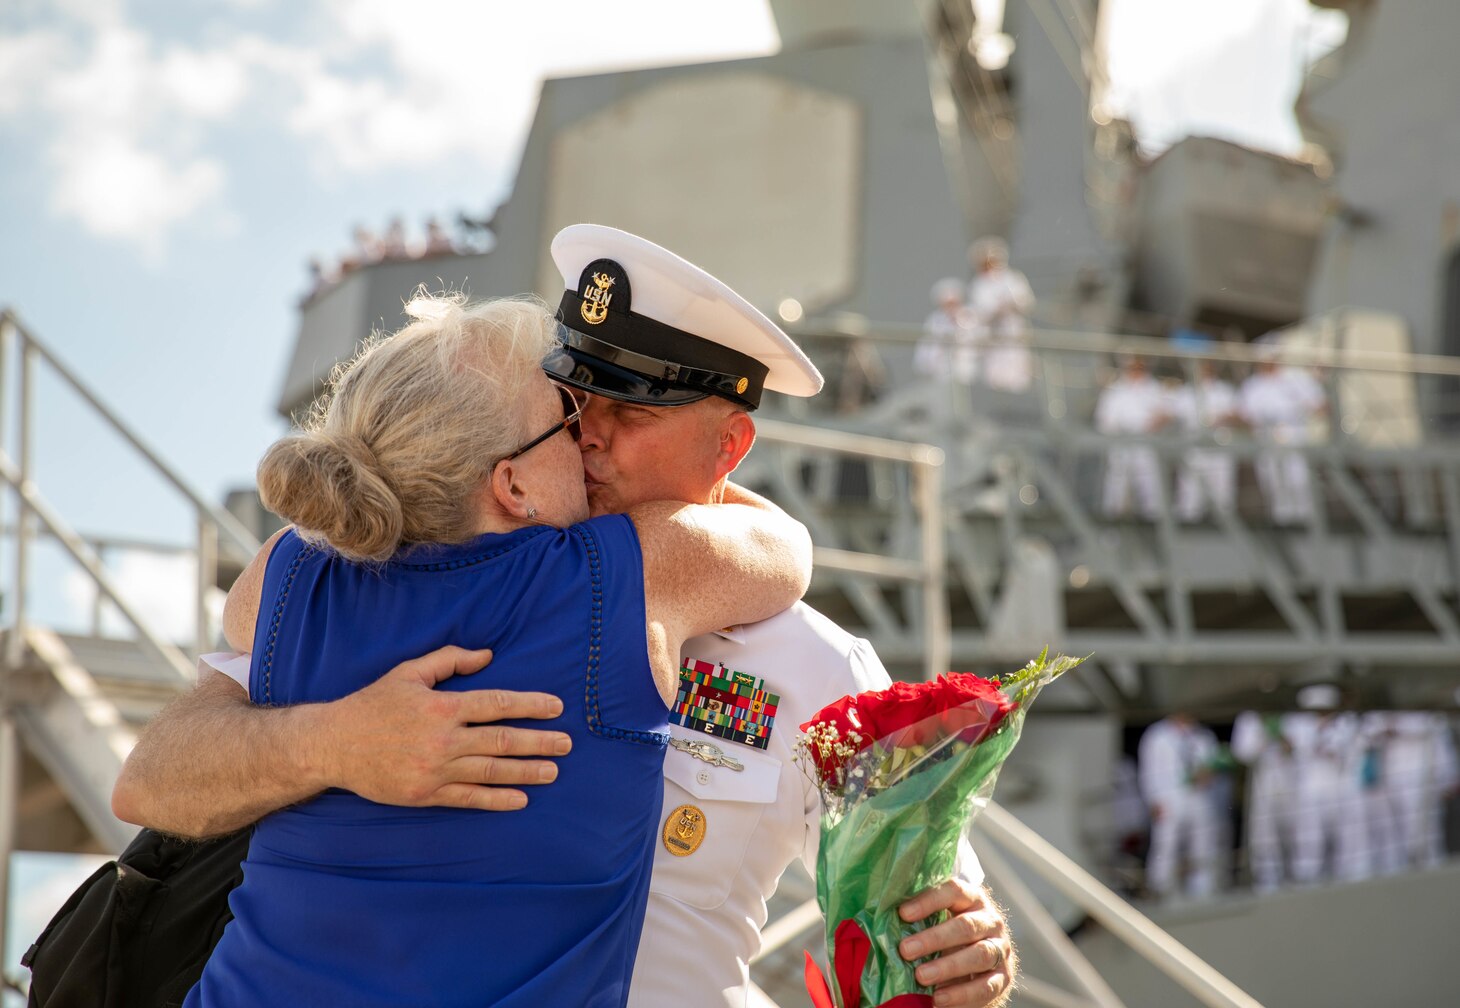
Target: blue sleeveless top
346	902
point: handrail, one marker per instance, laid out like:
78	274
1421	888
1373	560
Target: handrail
243	540
1053	338
1149	941
929	569
214	525
84	555
1137	931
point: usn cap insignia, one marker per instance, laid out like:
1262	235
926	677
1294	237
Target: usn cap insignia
601	281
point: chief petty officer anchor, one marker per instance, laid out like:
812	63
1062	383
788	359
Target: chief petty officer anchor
673	361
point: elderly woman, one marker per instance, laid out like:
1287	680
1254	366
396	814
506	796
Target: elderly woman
437	497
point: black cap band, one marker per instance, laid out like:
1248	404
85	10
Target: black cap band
665	357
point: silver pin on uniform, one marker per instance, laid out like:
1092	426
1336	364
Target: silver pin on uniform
710	753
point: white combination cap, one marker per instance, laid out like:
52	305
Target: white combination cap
640	324
1320	696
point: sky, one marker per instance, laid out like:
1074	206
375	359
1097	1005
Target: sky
167	169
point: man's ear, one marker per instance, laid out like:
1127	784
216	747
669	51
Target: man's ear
737	434
504	488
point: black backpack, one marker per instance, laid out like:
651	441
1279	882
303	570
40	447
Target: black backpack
138	932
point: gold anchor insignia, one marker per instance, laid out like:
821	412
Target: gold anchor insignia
741	386
684	831
596	298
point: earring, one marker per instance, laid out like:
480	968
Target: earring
532	513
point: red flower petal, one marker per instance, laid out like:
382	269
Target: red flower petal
816	985
849	957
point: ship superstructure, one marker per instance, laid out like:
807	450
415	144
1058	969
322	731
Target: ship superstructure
832	183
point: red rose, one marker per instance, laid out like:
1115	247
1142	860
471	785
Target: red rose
975	706
905	714
958	704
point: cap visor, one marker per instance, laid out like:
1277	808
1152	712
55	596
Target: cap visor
592	374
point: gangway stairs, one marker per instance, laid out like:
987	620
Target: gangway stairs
71	705
1219	614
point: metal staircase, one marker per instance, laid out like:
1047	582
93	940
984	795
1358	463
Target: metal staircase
1012	552
71	705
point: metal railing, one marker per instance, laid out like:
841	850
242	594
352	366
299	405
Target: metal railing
918	565
1125	922
1022	468
215	528
21	355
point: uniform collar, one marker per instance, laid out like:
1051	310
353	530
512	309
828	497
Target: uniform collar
734	634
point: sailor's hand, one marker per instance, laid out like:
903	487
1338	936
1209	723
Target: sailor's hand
976	963
400	741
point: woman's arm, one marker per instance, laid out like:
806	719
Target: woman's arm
241	611
708	566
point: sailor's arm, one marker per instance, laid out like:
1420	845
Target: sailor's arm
212	762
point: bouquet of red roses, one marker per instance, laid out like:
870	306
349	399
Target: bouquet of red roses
901	772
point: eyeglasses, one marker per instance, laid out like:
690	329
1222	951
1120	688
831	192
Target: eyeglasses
572	412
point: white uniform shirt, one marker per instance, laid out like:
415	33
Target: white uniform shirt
1205	406
1129	406
706	909
1169	756
947	348
1000	299
1280	405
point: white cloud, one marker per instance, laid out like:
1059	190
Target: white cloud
25	59
123	155
119	189
125	121
161	588
208	85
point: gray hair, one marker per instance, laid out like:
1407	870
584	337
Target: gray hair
395	449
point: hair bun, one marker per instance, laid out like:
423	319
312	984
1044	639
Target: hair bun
331	488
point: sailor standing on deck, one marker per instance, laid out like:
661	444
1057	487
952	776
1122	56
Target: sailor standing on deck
1421	772
1332	837
1000	300
1279	404
947	348
1175	761
1132	404
1260	741
1208	477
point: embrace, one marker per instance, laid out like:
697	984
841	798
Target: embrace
515	563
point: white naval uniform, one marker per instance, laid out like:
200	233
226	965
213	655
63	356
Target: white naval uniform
1131	407
1000	299
706	910
1376	793
1421	769
1208	476
1280	407
948	348
1169	758
1332	838
1271	823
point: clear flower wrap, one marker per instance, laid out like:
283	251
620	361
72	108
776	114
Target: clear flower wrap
901	773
